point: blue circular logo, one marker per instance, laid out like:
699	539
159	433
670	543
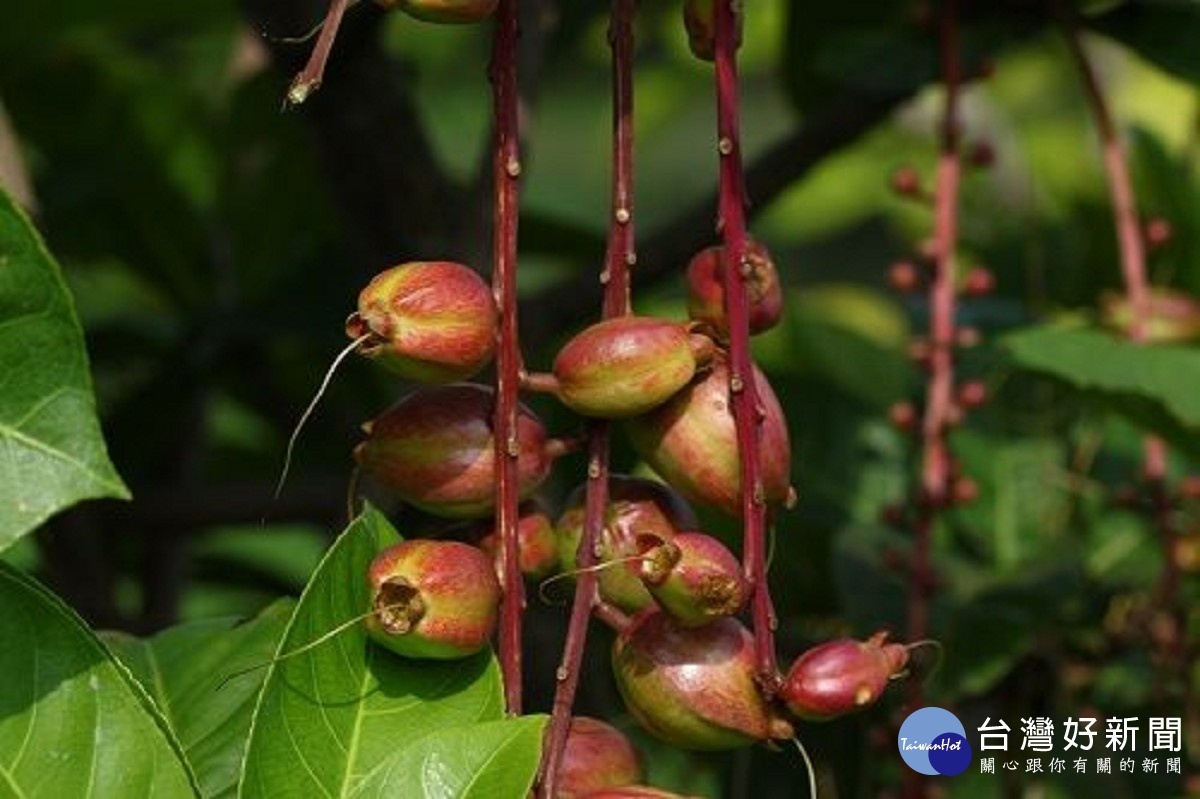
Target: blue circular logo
933	741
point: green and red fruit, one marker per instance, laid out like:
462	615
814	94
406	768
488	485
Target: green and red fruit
694	687
537	544
841	676
432	599
693	577
435	450
626	366
1172	316
429	321
691	442
706	289
636	508
597	756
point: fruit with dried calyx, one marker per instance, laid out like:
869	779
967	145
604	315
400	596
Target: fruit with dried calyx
597	756
842	676
636	507
691	442
706	289
429	321
432	599
694	687
693	577
625	366
435	450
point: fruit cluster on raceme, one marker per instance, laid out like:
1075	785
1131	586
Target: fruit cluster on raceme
696	410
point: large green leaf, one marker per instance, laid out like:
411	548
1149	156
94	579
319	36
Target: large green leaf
1161	31
73	722
1168	376
51	451
474	761
190	671
330	714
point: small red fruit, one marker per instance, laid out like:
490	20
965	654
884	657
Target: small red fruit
432	599
906	181
691	442
435	450
626	366
979	282
694	687
706	289
841	676
537	545
597	756
429	321
904	277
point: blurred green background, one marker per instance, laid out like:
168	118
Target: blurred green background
215	243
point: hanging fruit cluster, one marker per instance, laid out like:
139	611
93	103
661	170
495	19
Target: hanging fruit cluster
695	408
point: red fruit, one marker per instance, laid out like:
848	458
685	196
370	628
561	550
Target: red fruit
597	757
903	416
906	181
637	508
706	289
537	545
701	26
979	282
694	687
904	277
434	449
693	577
444	11
691	442
972	394
432	599
841	676
430	321
626	366
1158	232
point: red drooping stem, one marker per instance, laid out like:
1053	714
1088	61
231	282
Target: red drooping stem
939	397
747	410
619	257
506	172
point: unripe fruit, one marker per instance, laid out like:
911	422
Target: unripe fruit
841	676
1173	316
636	508
432	599
1158	232
628	365
597	757
903	416
537	545
434	449
430	321
444	11
904	277
636	792
906	181
693	577
700	22
972	394
979	282
694	687
691	442
706	289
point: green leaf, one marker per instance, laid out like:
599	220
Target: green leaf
1160	31
1092	360
73	722
332	713
52	453
191	671
474	761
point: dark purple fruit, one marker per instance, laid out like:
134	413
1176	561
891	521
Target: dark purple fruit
597	757
706	289
693	577
636	507
692	442
694	687
625	366
432	599
537	545
430	321
841	676
434	449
